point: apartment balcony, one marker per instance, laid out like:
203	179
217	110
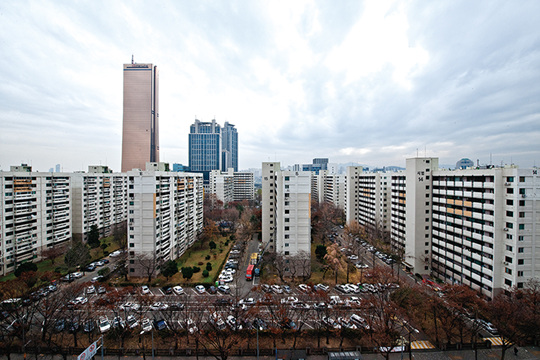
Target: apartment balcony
25	227
24	196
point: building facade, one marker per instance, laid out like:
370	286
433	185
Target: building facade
205	148
165	215
477	226
229	151
35	214
140	134
232	185
286	213
99	198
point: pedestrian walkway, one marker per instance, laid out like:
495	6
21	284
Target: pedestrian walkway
421	344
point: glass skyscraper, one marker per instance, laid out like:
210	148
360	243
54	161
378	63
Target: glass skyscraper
205	147
229	137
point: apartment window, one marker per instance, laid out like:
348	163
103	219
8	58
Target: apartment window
426	267
520	238
509	202
508	271
521	262
509	191
286	203
520	250
426	244
520	285
521	202
286	244
286	186
427	195
510	179
426	251
286	211
286	178
509	225
427	227
427	203
508	248
520	273
286	253
286	228
522	191
427	219
522	179
508	282
131	245
426	235
509	236
521	226
510	213
521	214
508	259
287	219
427	211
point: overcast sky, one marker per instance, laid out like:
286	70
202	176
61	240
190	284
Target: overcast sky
368	82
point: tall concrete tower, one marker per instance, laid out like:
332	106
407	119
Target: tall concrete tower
140	135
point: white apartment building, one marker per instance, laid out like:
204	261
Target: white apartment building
244	186
486	227
35	214
232	186
478	227
222	185
165	215
286	208
99	198
368	198
329	187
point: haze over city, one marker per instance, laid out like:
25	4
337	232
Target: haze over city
366	82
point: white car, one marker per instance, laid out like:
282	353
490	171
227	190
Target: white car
104	324
146	325
115	253
77	275
132	321
80	300
289	300
97	278
91	290
277	289
178	290
200	289
145	290
159	306
304	288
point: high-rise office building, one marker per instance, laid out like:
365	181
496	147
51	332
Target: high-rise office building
229	148
140	136
204	148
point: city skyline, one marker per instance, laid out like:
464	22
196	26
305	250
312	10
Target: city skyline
364	82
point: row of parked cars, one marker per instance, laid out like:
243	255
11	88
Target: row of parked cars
366	288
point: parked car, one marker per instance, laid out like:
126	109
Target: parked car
145	290
146	325
167	290
160	324
104	324
178	290
225	289
200	289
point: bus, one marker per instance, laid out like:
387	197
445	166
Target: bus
249	272
254	258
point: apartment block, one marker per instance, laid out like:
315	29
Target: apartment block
243	186
286	211
329	187
368	198
476	226
99	198
165	215
35	214
222	185
486	227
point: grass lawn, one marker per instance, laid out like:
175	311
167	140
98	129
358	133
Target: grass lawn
195	256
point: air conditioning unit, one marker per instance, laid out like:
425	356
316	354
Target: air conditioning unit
505	263
505	229
507	184
523	195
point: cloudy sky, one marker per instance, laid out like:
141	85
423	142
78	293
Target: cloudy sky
368	82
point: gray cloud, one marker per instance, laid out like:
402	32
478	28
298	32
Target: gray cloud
352	81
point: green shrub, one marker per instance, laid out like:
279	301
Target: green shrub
205	273
196	269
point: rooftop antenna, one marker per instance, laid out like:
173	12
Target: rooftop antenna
490	158
416	152
132	60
